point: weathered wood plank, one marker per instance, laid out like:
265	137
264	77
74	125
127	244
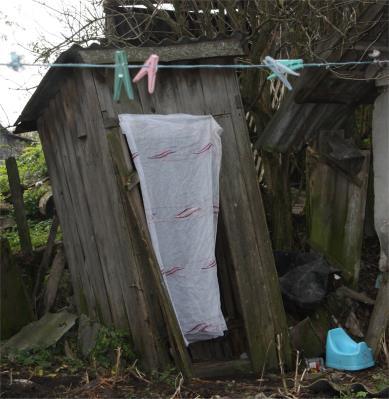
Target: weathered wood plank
92	270
71	239
53	279
218	48
336	213
18	203
46	258
244	251
85	163
239	193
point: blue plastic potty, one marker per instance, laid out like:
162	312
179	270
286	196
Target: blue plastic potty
342	353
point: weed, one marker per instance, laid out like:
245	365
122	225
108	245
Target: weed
41	358
108	341
39	232
168	376
353	395
31	164
381	381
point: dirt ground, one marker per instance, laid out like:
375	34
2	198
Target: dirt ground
329	384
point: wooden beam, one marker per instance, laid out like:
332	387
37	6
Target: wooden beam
188	51
47	255
54	279
17	200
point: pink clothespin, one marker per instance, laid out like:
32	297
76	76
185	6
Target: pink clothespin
150	69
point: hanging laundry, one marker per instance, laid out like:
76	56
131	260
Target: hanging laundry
178	161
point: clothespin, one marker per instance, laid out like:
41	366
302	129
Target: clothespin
15	63
281	68
122	76
150	69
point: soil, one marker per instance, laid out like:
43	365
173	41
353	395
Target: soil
23	383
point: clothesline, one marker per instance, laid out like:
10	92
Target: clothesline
191	66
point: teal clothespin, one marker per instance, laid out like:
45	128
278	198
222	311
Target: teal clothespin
122	76
293	65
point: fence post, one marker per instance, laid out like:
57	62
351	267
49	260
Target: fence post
17	201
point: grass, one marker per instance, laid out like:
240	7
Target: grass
39	232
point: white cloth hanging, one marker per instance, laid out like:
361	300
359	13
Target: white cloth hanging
178	161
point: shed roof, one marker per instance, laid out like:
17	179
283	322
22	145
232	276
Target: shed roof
181	51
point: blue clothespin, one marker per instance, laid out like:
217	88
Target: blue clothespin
122	76
15	63
281	68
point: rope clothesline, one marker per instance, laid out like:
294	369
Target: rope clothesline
191	66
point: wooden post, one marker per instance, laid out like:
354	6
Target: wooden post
17	200
380	316
46	258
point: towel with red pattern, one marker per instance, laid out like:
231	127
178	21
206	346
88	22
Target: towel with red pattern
178	161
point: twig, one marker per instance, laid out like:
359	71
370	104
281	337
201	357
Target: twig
134	371
296	372
301	380
281	363
177	393
385	348
118	351
264	364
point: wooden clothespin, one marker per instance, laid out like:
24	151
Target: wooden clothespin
281	68
122	76
150	69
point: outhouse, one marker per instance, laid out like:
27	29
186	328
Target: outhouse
115	275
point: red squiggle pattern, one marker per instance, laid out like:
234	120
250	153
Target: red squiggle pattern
210	265
172	270
204	149
162	154
199	327
186	213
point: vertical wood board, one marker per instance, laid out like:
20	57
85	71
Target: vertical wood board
336	213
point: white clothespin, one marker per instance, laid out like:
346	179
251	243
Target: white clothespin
15	63
281	68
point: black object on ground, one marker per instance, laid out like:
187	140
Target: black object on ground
303	278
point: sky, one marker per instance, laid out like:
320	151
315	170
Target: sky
23	22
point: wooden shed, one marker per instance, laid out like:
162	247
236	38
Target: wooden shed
115	275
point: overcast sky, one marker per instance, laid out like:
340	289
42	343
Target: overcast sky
23	22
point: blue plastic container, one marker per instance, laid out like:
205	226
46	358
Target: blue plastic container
343	353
